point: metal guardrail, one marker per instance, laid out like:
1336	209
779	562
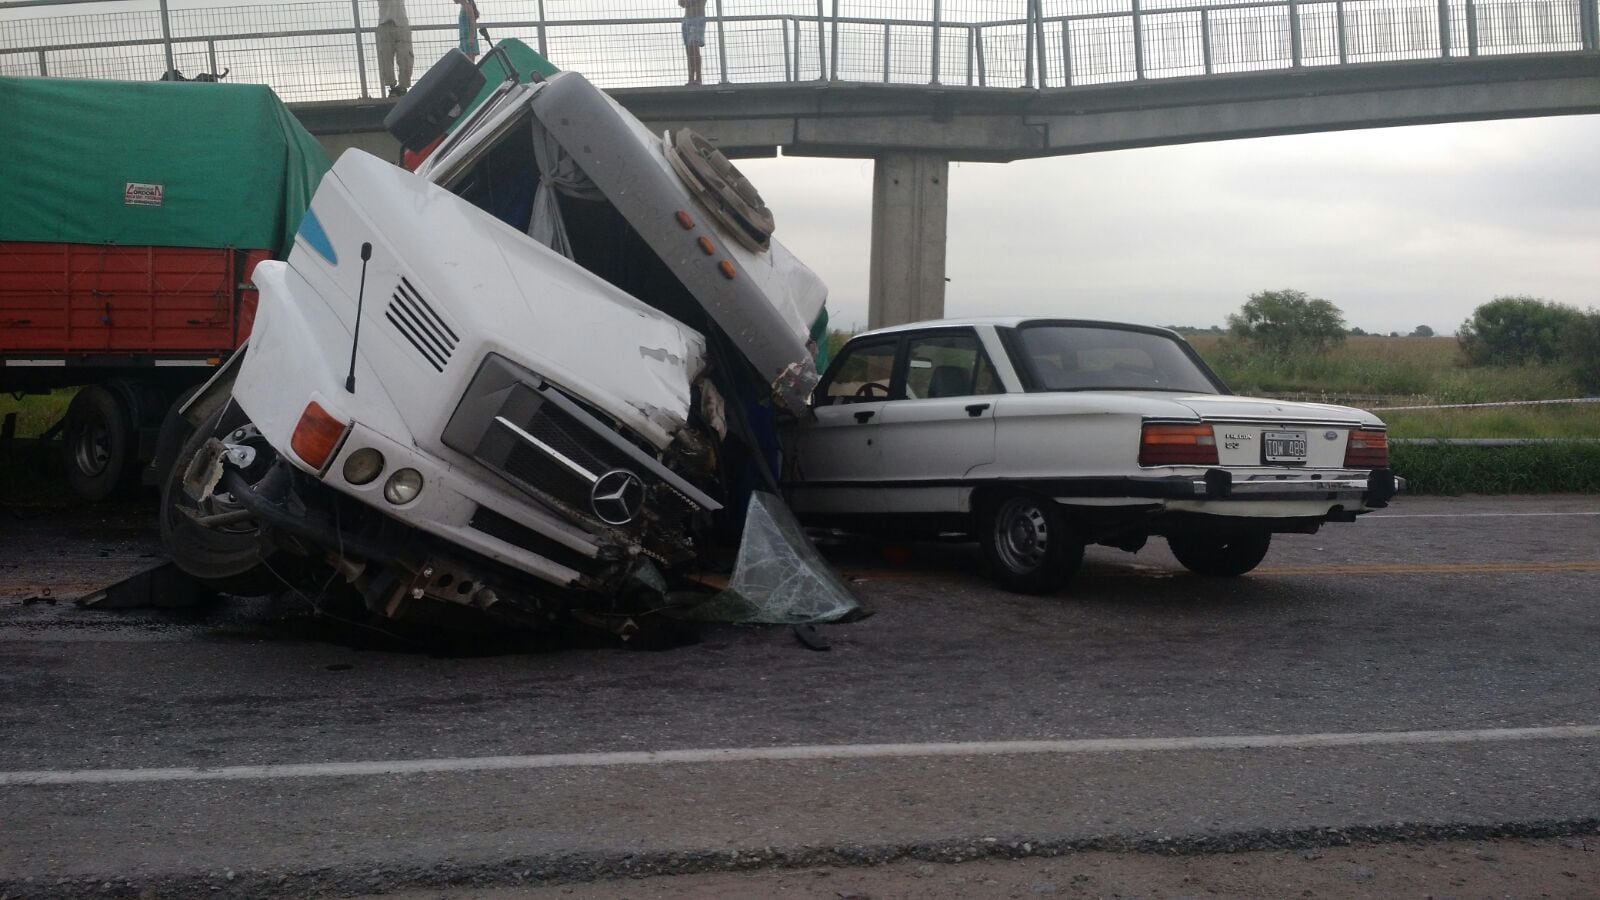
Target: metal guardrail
325	49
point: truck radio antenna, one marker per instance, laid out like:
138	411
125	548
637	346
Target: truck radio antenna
361	296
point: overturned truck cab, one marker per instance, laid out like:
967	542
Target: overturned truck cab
536	376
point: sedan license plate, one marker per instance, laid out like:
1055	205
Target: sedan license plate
1283	446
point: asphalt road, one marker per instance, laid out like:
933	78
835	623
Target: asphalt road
1449	644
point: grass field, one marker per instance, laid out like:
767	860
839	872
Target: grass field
36	412
1405	368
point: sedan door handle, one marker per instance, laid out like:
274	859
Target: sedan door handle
864	415
976	409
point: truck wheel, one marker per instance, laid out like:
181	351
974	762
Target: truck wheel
98	443
231	558
1220	555
1028	545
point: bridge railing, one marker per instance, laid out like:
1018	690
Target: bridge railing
325	49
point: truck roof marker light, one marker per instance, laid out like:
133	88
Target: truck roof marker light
316	436
684	219
706	246
727	270
1177	444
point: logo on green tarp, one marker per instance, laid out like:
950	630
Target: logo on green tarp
137	193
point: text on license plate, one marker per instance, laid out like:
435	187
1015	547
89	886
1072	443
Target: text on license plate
1284	446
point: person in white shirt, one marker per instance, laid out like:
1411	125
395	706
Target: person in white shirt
394	46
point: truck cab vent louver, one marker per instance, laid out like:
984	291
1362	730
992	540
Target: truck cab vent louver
421	326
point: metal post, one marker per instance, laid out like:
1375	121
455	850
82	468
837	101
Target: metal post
787	75
44	70
1444	28
1344	41
361	52
886	52
972	52
936	24
1205	38
166	36
833	56
1138	41
1295	48
983	68
722	45
1589	21
1472	28
1027	40
211	54
1038	38
822	47
543	50
1066	52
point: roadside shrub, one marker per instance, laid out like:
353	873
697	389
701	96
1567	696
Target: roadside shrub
1556	467
1288	321
1517	331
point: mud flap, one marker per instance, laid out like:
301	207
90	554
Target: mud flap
778	578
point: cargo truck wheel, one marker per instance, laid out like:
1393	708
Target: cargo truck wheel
1220	555
98	443
232	556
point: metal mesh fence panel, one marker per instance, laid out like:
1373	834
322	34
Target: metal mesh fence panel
308	49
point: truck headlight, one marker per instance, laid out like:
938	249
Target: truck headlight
403	486
362	466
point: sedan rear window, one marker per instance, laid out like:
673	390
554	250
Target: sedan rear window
1087	358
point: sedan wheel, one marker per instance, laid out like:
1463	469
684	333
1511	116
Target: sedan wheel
1028	545
1220	555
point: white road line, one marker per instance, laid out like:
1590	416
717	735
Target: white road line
813	753
1471	515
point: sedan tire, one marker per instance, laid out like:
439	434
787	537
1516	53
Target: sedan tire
1220	555
1028	545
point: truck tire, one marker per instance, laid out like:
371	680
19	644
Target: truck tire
234	560
98	443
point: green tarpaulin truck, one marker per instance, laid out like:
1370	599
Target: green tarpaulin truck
132	218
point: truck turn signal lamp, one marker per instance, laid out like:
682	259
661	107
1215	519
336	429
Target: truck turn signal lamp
316	436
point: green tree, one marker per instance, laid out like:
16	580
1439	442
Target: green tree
1289	321
1580	350
1358	331
1516	331
1421	331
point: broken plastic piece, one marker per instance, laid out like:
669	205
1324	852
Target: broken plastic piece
778	578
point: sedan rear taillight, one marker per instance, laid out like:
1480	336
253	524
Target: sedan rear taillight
1177	445
1368	449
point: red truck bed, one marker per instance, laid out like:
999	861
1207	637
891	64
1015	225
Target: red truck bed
105	299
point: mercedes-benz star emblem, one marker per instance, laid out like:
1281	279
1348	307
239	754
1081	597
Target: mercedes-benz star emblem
617	496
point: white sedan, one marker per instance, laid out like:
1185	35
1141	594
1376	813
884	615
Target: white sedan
1040	436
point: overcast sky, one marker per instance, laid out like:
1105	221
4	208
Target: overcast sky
1399	226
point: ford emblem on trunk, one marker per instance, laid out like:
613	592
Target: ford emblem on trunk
617	496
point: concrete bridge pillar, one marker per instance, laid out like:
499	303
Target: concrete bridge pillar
909	207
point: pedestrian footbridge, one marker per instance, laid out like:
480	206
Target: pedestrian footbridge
912	84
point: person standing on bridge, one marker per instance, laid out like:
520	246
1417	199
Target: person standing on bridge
467	28
694	34
394	46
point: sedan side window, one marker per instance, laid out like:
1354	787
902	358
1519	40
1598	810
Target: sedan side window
949	365
860	374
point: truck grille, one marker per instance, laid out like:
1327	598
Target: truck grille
554	449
